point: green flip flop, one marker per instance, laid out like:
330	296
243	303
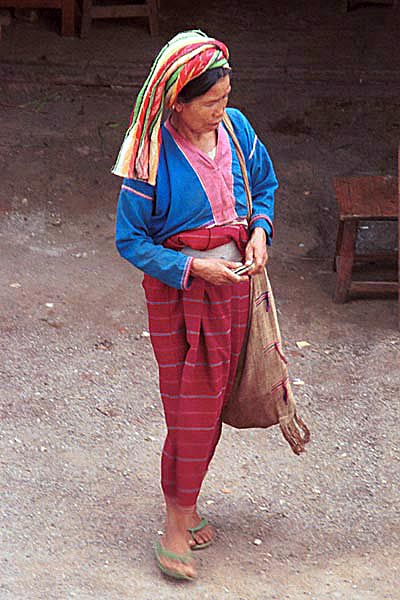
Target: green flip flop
182	558
193	530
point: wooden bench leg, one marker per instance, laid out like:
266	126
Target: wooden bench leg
68	18
153	16
339	239
345	260
86	19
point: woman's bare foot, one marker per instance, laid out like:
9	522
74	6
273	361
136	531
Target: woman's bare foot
176	539
204	535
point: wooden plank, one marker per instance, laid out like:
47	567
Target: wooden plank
91	11
363	217
361	2
383	258
370	197
119	11
365	287
31	3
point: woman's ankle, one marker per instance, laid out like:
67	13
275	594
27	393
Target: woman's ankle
174	507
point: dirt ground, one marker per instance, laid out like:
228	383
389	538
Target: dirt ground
81	422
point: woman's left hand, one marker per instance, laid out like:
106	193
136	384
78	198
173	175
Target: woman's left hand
256	251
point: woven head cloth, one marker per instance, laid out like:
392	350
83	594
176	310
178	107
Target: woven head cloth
185	57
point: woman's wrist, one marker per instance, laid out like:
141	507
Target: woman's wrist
260	233
196	267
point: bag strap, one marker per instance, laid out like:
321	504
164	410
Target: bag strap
229	127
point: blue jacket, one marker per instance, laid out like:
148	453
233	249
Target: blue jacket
148	215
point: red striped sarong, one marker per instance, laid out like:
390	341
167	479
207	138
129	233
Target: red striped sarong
197	335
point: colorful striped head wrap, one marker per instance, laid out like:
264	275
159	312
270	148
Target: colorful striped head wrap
185	57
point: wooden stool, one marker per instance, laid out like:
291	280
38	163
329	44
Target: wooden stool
67	8
370	198
90	10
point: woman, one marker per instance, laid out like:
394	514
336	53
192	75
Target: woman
182	220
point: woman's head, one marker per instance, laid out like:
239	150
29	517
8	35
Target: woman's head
202	106
183	59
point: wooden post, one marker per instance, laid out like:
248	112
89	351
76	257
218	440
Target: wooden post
339	239
345	260
86	18
153	16
68	18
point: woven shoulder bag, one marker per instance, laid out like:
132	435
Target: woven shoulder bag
261	394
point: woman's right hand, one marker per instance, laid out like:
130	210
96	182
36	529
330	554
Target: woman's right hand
216	271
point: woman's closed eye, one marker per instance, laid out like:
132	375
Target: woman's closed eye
214	102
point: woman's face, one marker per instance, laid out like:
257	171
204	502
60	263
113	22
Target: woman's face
204	114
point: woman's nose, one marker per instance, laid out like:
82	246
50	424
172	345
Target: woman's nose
219	111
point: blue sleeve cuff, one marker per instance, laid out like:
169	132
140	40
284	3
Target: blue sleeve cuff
265	222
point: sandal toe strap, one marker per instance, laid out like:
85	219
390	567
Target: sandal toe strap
199	527
182	558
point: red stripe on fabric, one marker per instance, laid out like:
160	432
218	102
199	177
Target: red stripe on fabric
267	349
194	412
129	189
168	333
194	395
186	273
279	384
184	458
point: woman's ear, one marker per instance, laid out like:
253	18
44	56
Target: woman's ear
178	106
